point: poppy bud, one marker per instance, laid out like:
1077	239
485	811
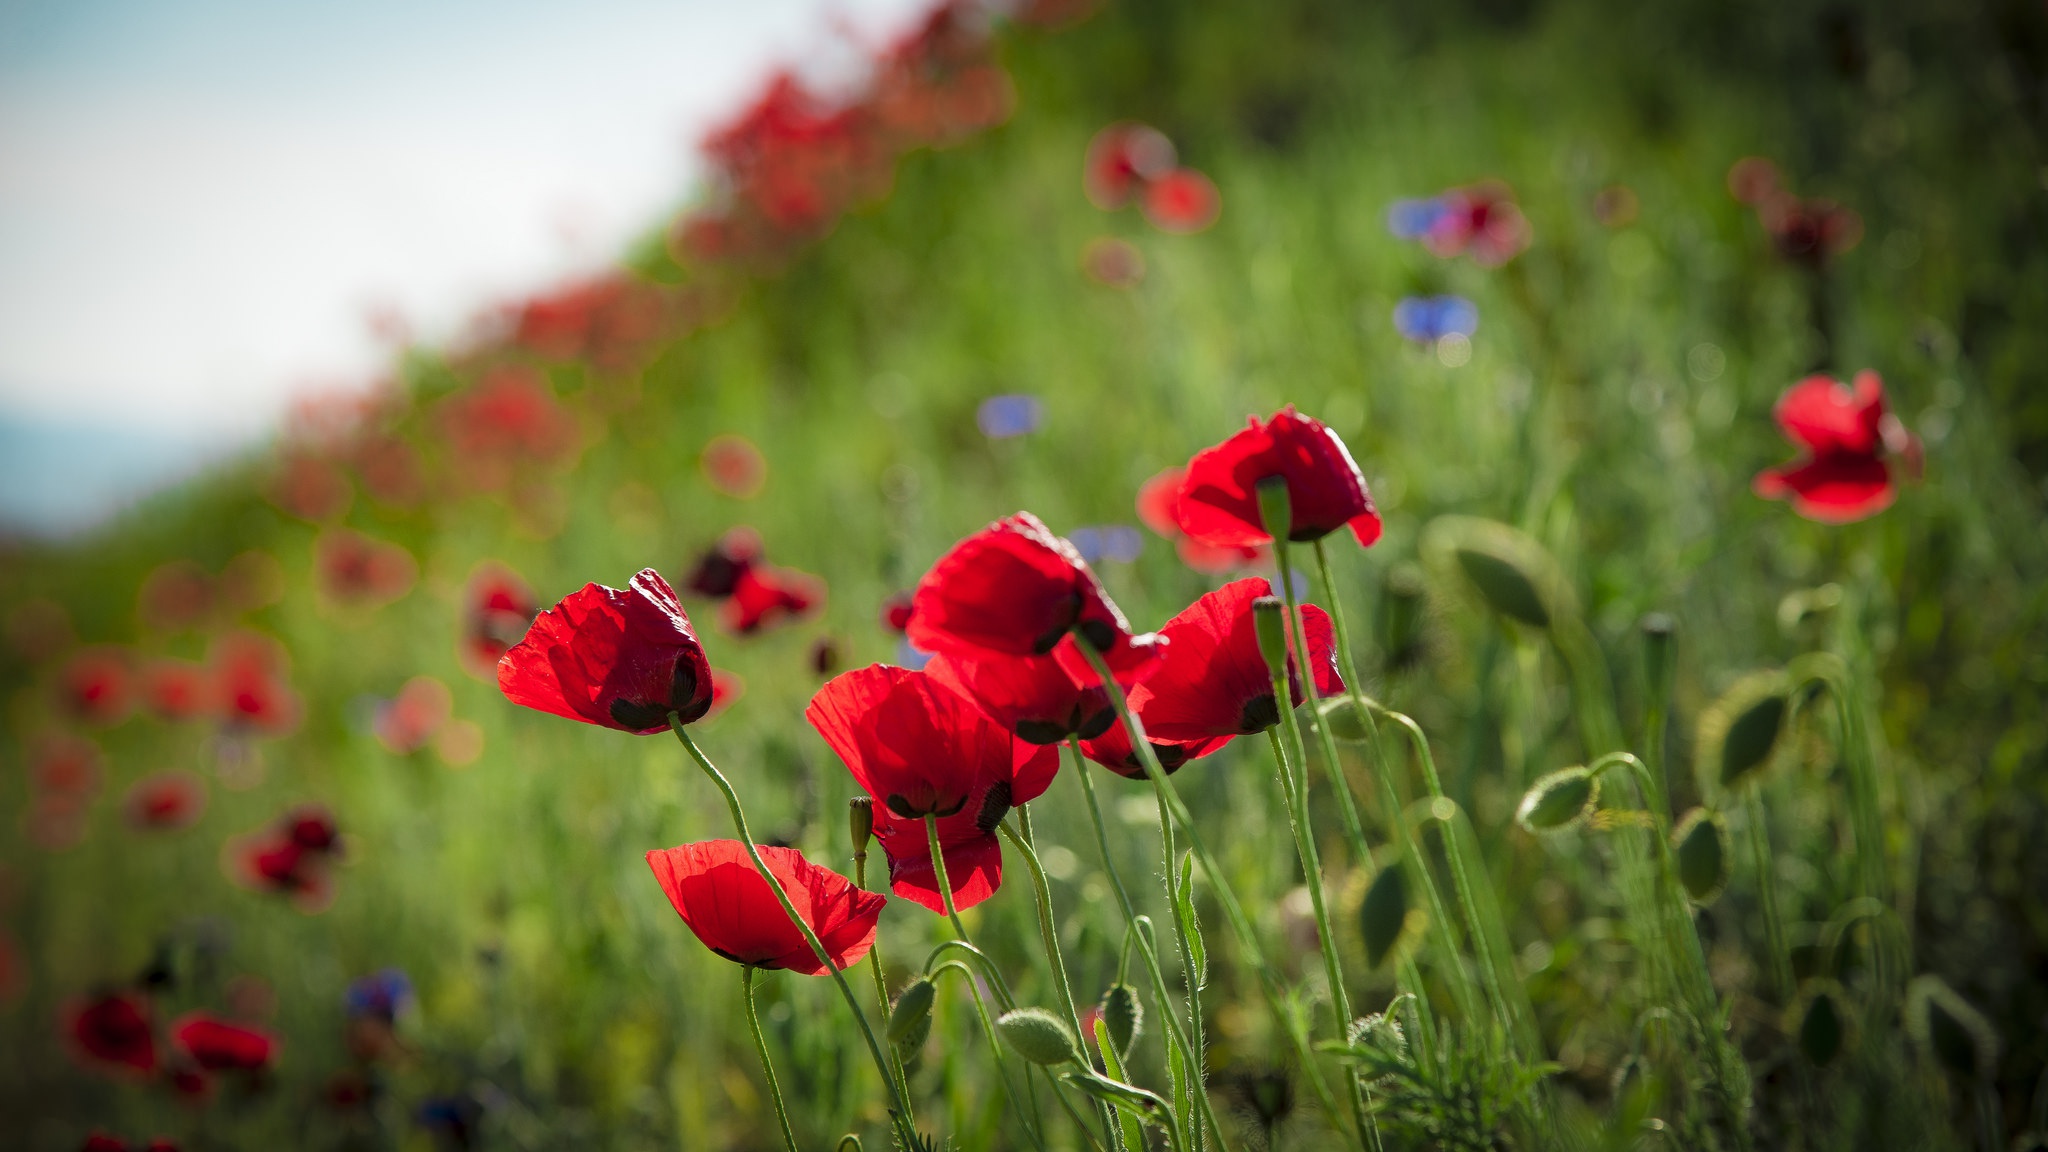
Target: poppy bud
1275	507
1657	652
1385	913
1124	1015
1819	1024
1344	719
1559	800
1740	732
1950	1031
911	1019
860	823
1700	846
1038	1036
1269	617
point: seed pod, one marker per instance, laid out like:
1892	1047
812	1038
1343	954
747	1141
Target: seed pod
1559	800
1506	566
1269	615
1038	1036
911	1019
1276	507
1383	915
1739	734
1124	1015
860	822
1819	1023
1950	1031
1699	845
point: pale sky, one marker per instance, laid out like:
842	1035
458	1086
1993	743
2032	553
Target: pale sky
203	201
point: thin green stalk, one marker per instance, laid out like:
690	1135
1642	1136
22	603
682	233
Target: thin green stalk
1193	1075
860	880
988	1031
767	1065
1128	1127
1176	1035
1767	893
905	1121
1240	924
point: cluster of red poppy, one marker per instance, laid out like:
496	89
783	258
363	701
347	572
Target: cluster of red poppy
752	594
116	1032
1853	450
292	857
1018	626
1130	161
1808	232
606	320
796	160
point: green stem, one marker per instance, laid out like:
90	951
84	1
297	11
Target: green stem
1767	893
860	880
988	1030
767	1065
1240	924
1194	1073
905	1122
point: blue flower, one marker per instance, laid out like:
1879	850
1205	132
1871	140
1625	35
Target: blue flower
381	994
1001	417
1118	542
1413	219
1427	319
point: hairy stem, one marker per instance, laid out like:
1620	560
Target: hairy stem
767	1065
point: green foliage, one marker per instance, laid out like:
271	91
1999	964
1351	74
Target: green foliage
1458	1096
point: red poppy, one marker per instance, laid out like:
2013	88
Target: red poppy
1157	499
605	319
718	570
1481	221
250	686
620	659
101	1141
734	466
1012	588
896	613
218	1046
1752	179
1117	263
1849	439
919	749
66	766
505	420
355	570
1182	201
1214	681
1122	159
175	595
405	723
1809	232
95	685
763	597
1219	499
114	1030
1032	696
499	606
1113	751
715	889
290	858
177	689
390	470
164	801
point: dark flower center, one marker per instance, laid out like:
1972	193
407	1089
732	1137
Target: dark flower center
995	804
682	699
1041	731
1260	713
900	805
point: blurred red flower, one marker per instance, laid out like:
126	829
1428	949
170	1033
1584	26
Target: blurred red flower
309	487
620	659
726	689
734	466
1122	159
498	607
96	685
1809	232
506	420
714	887
1012	588
113	1031
390	470
1213	682
763	597
1219	499
164	801
290	858
1480	220
1850	440
405	723
177	690
66	766
1752	179
360	572
607	319
1157	500
250	686
219	1046
1182	202
175	595
896	612
1112	261
718	570
920	749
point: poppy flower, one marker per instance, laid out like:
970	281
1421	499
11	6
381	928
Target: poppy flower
718	570
919	748
406	722
96	686
390	470
114	1030
218	1046
176	690
102	1141
1849	438
1114	262
290	858
498	608
763	597
250	686
508	419
1213	682
1809	232
734	467
1481	221
174	596
714	887
357	571
896	613
1219	499
66	766
824	658
1012	588
165	801
619	659
1157	499
1182	202
1032	696
1752	179
1122	159
605	319
1112	749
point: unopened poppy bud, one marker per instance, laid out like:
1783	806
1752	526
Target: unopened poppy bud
1124	1016
860	822
1740	732
1658	628
1384	916
1949	1031
911	1019
1038	1036
1699	846
1276	511
1269	616
1558	800
1819	1024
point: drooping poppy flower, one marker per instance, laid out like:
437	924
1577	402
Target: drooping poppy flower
1122	159
1112	750
619	659
96	685
1219	499
114	1031
1182	202
175	595
176	690
763	597
1214	681
1157	499
354	570
734	467
219	1046
718	570
714	887
251	688
497	609
1031	696
1012	588
1850	442
165	801
920	748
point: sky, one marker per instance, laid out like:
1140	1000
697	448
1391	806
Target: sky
206	205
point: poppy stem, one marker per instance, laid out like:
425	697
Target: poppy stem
767	1065
1767	895
988	1027
905	1121
1240	924
860	880
1178	1043
931	832
1192	1072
